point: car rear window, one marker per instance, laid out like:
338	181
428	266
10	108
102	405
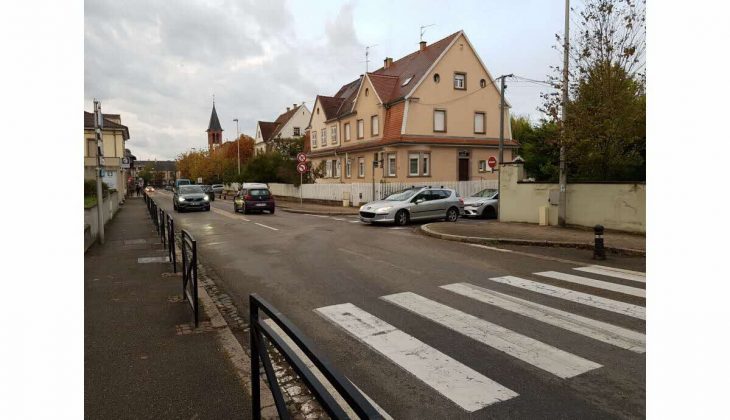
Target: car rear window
259	192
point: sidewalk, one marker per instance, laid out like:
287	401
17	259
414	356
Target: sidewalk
490	232
143	357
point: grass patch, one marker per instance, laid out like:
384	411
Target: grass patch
89	201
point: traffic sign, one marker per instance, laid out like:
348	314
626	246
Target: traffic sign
301	157
301	167
492	162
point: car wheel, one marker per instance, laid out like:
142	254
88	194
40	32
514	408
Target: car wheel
235	209
272	211
245	210
207	208
489	213
452	214
401	218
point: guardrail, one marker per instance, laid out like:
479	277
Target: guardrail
260	333
189	250
171	242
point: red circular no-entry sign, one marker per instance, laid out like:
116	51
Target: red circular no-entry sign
492	162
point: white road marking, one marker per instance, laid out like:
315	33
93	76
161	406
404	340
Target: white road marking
321	215
628	290
397	228
491	248
597	330
464	386
628	309
614	272
354	221
320	376
147	260
341	220
263	225
558	362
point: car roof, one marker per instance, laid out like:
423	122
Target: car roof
254	185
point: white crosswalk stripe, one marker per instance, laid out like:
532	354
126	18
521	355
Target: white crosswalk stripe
534	352
628	290
597	330
623	308
614	272
454	380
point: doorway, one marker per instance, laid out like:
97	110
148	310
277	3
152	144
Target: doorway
463	165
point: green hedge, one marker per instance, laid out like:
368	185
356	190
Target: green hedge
90	188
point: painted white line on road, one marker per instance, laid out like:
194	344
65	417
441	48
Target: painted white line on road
490	248
320	376
321	216
147	260
546	357
597	330
354	221
263	225
461	384
628	290
341	220
628	309
614	272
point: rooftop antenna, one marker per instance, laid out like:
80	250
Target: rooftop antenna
423	30
367	53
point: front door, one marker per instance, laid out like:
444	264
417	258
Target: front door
463	169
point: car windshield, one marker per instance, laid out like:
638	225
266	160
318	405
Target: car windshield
190	189
488	193
402	195
259	192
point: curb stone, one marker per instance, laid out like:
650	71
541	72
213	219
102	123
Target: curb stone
494	241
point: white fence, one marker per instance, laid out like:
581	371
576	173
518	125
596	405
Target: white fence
363	192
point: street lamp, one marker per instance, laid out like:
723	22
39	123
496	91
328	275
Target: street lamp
238	146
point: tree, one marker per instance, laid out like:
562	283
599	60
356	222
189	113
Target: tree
539	147
146	173
604	129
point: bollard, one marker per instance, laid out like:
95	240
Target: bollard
599	253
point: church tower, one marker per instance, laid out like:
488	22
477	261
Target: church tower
215	132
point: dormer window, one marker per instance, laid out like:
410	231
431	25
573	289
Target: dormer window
408	80
460	81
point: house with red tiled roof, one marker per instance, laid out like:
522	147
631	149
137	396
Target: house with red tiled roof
430	116
290	124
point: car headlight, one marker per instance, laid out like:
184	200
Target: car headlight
205	198
181	199
383	210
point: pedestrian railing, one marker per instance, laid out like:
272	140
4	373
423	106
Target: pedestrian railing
190	271
261	333
161	223
170	223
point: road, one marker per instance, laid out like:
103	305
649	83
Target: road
437	329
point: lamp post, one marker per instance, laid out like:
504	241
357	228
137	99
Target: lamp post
238	146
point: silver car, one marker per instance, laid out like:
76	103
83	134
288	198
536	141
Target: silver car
416	203
482	204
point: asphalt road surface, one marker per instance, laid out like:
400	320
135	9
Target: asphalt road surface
437	329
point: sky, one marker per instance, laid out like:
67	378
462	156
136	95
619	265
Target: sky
160	63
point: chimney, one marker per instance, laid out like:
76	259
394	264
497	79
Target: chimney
287	109
293	106
423	45
387	62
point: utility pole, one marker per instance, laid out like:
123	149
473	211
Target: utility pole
98	126
238	146
502	87
563	178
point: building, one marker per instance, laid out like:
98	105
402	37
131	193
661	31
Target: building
114	136
432	115
164	172
290	124
215	132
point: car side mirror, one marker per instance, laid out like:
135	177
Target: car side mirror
420	200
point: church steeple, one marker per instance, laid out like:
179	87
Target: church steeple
215	132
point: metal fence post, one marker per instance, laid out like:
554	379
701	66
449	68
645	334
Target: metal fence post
255	385
599	252
195	281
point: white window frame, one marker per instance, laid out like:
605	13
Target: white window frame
348	168
436	112
328	169
392	165
336	168
460	77
347	131
374	126
297	131
482	166
484	122
426	164
333	132
411	158
324	136
361	167
360	129
314	139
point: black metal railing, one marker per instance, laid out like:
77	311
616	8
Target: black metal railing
170	223
261	332
190	271
162	222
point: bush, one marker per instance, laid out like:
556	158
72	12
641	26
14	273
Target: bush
90	188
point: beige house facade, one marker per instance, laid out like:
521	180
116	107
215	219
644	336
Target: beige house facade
290	124
432	115
114	136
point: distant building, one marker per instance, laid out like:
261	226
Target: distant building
290	124
167	169
114	136
215	132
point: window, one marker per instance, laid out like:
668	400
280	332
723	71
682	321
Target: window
391	164
324	137
413	159
361	167
482	166
336	168
426	164
374	127
367	91
347	132
328	169
90	147
408	80
483	83
460	81
439	120
436	78
334	134
360	129
348	168
314	139
297	132
479	127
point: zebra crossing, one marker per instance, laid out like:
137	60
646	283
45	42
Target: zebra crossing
462	384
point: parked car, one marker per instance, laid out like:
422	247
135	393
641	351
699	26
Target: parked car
217	188
190	197
482	204
254	197
149	188
415	203
209	191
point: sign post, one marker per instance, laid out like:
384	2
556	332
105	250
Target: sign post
98	126
301	168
